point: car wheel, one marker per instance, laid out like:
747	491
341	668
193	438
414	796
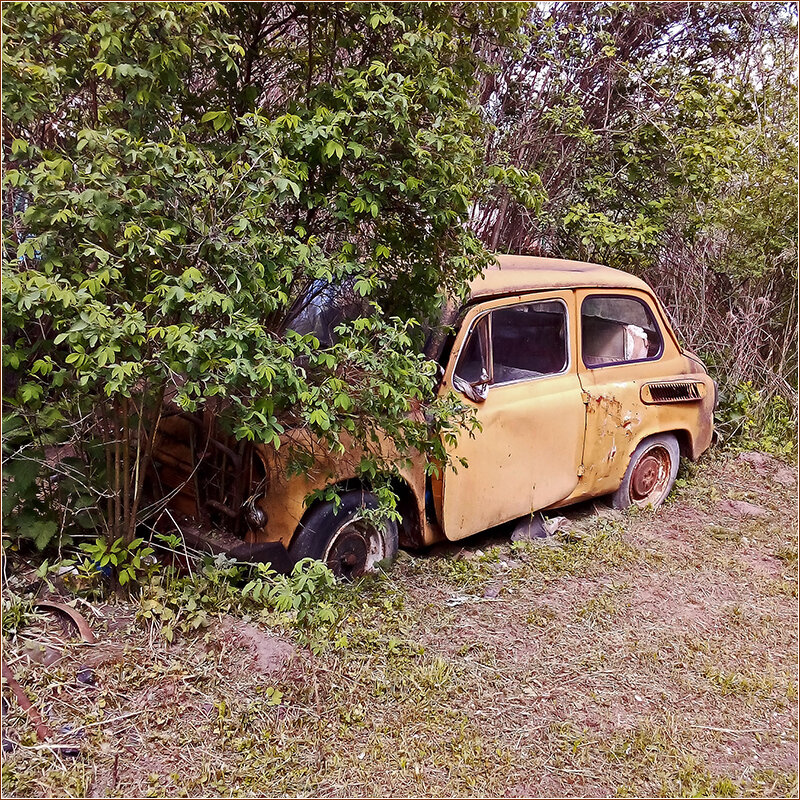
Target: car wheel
344	539
650	474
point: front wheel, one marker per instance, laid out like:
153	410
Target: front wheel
344	539
650	474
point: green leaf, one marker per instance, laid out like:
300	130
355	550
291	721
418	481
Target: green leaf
320	418
363	286
41	532
24	472
333	148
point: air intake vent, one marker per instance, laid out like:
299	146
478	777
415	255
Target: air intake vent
673	392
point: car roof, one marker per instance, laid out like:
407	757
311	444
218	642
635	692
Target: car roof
511	274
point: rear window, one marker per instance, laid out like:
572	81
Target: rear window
324	307
618	330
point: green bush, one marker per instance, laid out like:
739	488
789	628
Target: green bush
747	419
167	222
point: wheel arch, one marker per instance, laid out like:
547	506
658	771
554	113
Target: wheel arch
683	437
685	441
410	527
620	497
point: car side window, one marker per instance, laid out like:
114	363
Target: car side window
473	362
529	341
618	330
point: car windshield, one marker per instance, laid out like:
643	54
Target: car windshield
324	307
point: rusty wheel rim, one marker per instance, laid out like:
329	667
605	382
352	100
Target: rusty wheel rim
650	477
354	549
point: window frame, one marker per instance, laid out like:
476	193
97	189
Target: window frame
490	370
614	296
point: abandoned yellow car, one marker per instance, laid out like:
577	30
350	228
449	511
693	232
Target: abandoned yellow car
580	387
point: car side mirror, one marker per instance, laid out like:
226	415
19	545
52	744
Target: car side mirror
477	391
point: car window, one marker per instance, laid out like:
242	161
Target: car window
618	330
473	362
323	307
529	341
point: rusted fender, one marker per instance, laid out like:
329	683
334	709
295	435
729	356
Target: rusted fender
77	619
42	731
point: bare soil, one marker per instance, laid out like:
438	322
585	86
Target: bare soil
649	654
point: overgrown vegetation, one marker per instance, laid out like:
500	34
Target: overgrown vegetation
183	185
187	595
754	419
186	185
665	136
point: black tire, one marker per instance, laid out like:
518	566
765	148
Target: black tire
349	544
651	473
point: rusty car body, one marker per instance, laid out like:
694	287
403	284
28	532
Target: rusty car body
581	389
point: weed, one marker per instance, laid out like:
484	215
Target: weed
128	562
787	554
603	607
773	783
722	533
540	616
735	616
17	613
301	600
747	420
467	574
724	787
644	745
779	588
739	683
569	739
599	548
32	771
692	779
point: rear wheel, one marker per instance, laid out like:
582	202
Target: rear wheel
650	474
344	539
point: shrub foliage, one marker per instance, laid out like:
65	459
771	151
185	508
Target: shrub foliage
182	182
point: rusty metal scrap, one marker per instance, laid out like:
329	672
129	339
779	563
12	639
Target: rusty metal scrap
77	619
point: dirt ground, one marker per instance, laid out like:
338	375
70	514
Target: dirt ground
639	654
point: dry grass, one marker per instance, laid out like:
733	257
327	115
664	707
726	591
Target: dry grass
649	654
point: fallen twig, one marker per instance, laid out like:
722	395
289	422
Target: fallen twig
112	720
460	600
96	611
730	730
42	731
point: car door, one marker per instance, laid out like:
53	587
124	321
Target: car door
513	362
622	346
